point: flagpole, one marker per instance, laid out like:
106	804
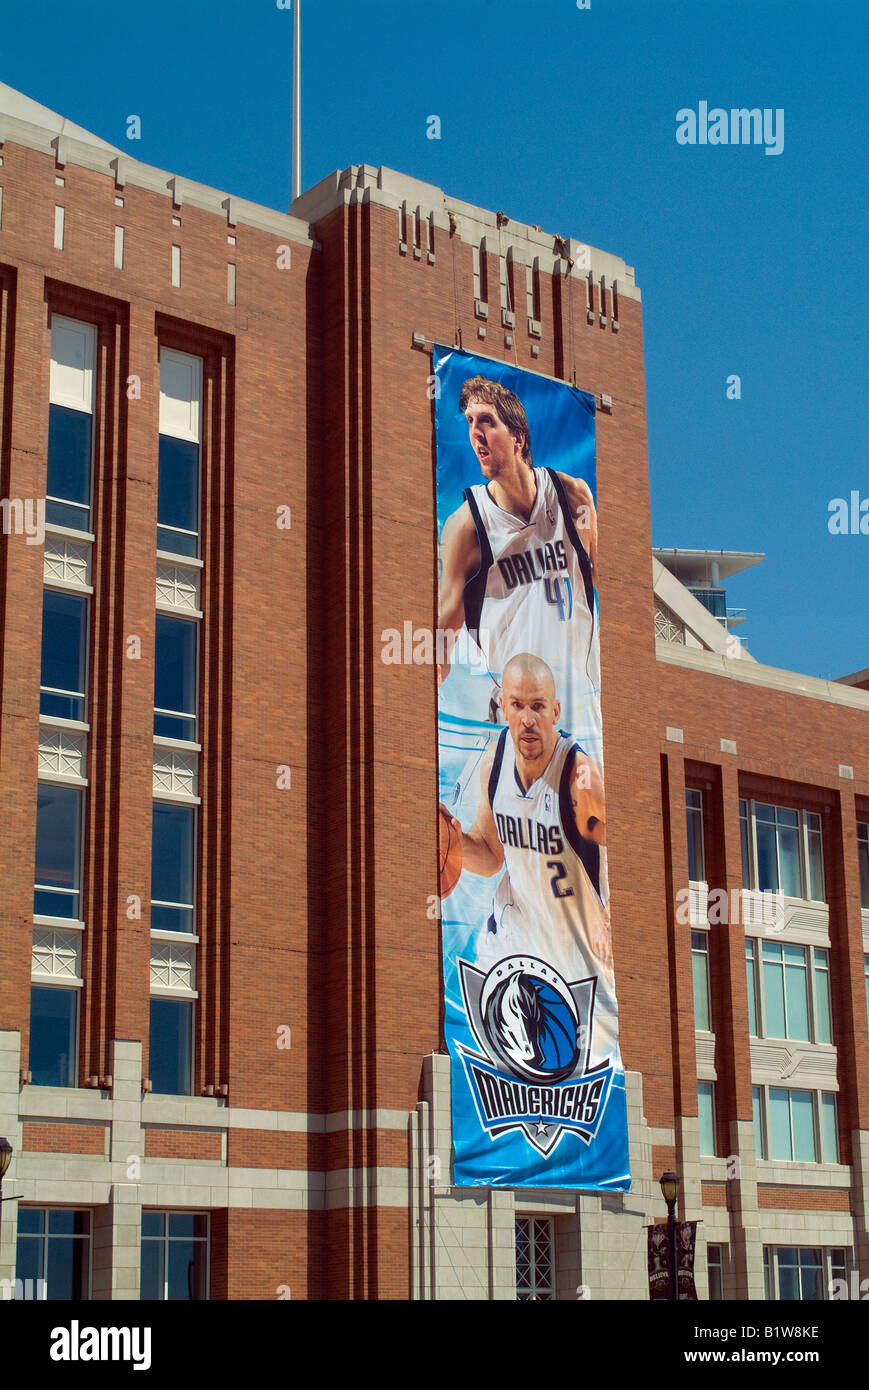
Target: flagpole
297	103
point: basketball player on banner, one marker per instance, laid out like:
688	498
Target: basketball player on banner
542	820
518	558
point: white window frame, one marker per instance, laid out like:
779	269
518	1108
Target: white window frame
702	1081
772	1281
704	952
85	405
170	425
803	833
766	1128
46	918
85	597
689	810
760	993
161	933
192	743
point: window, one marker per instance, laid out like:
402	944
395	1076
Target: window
798	1126
745	843
751	982
58	851
64	646
694	817
175	677
700	968
863	856
173	842
54	1245
793	1273
535	1263
781	851
171	1047
70	423
706	1118
53	1036
758	1115
174	1256
715	1272
788	991
178	470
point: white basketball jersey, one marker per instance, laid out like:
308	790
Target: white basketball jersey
533	591
552	899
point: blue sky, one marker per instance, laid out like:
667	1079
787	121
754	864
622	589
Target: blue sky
750	264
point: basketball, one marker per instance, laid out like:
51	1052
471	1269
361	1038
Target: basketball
449	853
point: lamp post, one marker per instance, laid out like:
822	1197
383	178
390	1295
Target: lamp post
670	1189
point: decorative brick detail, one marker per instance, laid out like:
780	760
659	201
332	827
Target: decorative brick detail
194	1144
66	1137
713	1194
781	1198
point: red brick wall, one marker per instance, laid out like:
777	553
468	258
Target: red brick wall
41	1136
182	1143
780	1198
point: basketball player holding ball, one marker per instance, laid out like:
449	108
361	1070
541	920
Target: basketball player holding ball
542	817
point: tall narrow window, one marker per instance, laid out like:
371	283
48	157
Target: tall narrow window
745	844
535	1260
172	867
814	857
823	1007
694	817
700	968
53	1036
70	423
863	856
178	476
175	677
758	1115
706	1117
171	1046
64	644
751	983
58	851
778	850
715	1271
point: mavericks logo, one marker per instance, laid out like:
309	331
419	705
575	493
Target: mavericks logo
532	1072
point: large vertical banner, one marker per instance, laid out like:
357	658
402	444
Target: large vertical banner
531	1023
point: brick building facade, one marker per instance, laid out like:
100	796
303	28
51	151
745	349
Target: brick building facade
246	1081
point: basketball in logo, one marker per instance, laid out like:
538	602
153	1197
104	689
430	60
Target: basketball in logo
531	1028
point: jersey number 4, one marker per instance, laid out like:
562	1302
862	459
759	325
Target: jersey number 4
562	601
560	873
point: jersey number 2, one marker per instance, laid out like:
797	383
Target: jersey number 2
560	873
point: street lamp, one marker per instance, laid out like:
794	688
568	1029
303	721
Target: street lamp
670	1190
